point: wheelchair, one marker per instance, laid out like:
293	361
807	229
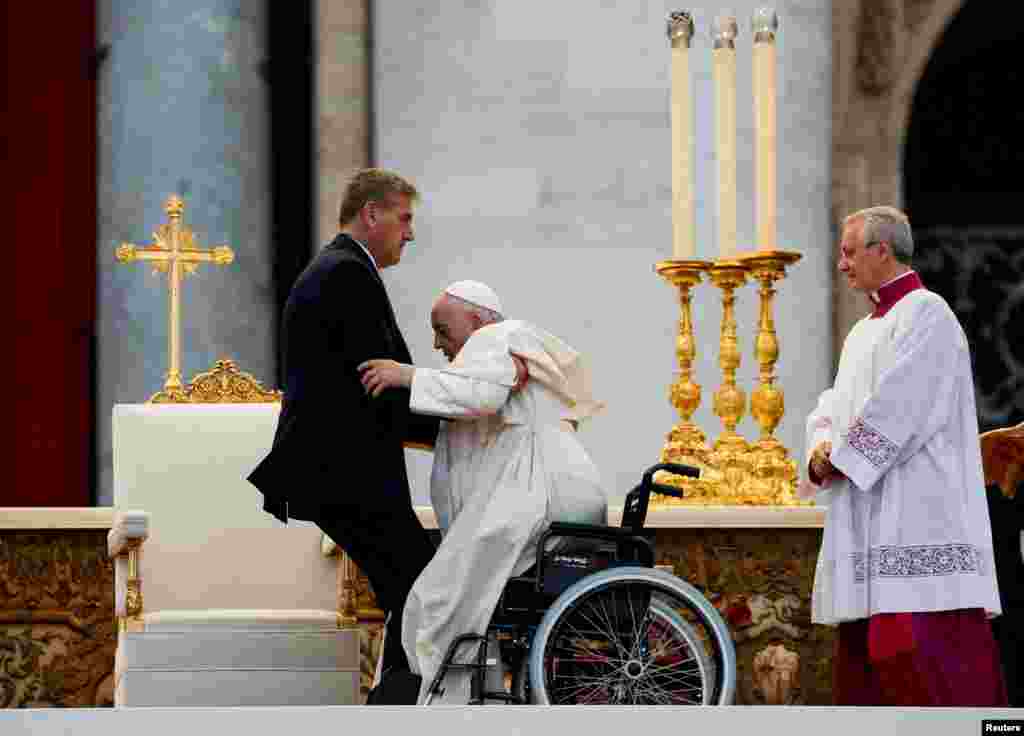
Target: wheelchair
593	622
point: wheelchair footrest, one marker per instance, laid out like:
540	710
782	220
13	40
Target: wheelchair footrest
480	661
503	697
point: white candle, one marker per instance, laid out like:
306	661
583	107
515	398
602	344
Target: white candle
724	69
680	31
764	23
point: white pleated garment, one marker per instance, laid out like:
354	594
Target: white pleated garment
908	528
505	466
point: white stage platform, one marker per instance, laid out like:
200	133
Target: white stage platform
506	721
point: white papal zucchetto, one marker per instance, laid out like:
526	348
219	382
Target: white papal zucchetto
476	292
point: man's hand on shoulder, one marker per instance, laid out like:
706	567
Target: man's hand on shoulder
377	375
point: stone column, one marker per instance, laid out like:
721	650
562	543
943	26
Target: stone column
343	103
879	51
182	108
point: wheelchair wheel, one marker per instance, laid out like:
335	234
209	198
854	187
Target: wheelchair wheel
630	636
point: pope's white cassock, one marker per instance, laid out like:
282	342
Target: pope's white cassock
908	527
507	465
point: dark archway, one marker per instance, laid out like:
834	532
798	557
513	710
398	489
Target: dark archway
964	191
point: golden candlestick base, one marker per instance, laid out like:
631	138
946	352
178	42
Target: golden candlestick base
774	473
686	443
734	472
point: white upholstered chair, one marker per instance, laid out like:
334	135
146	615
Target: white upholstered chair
238	608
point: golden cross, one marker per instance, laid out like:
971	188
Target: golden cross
175	254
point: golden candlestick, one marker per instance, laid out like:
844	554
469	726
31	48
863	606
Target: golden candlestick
774	473
686	442
730	455
730	399
733	472
175	254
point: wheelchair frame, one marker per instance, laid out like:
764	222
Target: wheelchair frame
589	560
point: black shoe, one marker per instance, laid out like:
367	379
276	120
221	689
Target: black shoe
397	687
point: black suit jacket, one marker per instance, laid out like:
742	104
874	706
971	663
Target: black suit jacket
1007	517
334	445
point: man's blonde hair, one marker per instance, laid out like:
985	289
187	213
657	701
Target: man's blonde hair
372	185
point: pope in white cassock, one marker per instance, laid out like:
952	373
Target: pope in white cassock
905	568
506	465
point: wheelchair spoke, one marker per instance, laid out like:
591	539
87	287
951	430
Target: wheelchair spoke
587	691
623	644
637	637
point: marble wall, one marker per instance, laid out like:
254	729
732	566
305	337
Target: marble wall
539	136
182	109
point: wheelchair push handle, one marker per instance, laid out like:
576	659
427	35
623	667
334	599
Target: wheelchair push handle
686	470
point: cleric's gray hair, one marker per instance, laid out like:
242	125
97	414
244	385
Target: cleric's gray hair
886	224
487	316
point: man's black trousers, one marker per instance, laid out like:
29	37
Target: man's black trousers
391	547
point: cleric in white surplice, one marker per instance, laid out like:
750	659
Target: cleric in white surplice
906	567
507	465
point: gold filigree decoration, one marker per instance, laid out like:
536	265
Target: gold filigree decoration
225	383
685	443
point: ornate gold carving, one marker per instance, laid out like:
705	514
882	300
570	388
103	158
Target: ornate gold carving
728	462
357	608
175	254
347	572
773	473
685	443
133	598
133	602
57	640
734	472
356	602
225	383
730	400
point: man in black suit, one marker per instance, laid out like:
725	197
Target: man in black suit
337	457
